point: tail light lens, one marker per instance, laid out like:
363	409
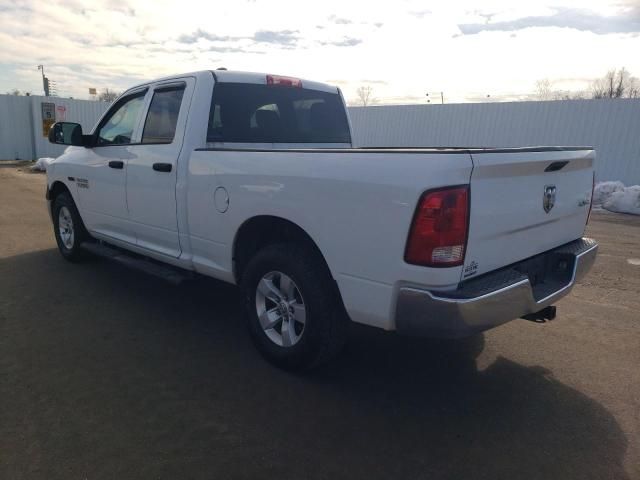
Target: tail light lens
438	235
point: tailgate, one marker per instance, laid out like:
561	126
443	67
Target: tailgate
524	203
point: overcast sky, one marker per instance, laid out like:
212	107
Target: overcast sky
404	48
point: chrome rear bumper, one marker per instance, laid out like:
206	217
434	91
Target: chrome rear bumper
496	297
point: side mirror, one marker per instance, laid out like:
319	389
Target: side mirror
66	133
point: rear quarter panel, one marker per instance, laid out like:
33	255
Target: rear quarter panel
356	206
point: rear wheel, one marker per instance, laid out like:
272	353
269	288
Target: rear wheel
68	227
295	315
280	309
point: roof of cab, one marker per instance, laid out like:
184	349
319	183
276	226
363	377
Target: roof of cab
233	76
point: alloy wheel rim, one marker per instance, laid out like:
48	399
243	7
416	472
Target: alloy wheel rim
281	309
65	228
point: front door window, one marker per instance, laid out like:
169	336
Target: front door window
118	127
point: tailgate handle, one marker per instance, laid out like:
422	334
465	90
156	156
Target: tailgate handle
119	164
162	167
555	166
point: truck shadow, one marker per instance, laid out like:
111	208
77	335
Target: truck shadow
113	374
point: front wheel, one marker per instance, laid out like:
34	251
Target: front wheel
68	227
295	315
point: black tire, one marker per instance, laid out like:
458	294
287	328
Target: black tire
70	251
326	324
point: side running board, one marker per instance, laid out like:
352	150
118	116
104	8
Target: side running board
168	273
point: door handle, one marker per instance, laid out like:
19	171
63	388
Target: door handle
162	167
119	164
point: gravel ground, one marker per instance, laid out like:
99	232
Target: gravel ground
107	373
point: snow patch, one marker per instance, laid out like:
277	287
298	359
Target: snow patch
615	197
603	190
41	164
627	201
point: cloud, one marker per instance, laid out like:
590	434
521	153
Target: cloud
376	82
230	49
346	42
578	19
214	48
201	34
238	44
282	37
105	43
421	13
339	21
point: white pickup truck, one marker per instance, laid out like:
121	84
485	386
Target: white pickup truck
253	179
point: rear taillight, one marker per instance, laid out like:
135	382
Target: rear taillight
438	234
284	81
593	187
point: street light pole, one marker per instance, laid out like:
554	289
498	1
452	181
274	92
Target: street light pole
45	81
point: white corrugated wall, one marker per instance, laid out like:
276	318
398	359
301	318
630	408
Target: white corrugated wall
21	134
84	112
16	134
611	126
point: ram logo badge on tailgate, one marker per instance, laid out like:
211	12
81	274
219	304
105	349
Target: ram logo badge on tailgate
549	198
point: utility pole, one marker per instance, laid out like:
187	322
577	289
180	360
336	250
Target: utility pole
45	81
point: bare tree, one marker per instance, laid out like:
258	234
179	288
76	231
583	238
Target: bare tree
616	84
365	95
107	95
544	90
17	92
568	95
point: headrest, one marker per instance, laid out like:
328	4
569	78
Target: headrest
320	116
267	119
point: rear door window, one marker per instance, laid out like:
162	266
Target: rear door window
252	113
162	117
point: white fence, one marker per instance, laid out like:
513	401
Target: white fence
16	131
21	124
611	126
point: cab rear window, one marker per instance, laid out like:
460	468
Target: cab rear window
251	113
